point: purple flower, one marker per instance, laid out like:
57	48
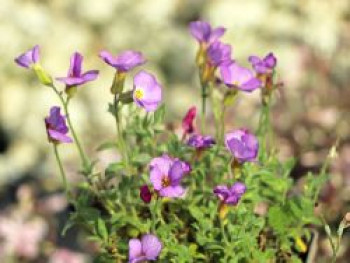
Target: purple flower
147	92
125	61
145	194
148	248
200	142
230	196
233	75
187	122
166	174
219	54
243	145
75	76
56	127
203	32
265	65
28	58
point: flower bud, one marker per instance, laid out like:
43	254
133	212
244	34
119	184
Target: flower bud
145	194
42	75
118	82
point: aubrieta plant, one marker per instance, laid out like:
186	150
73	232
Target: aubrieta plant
195	198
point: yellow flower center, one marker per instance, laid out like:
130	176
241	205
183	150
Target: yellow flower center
236	83
139	94
165	181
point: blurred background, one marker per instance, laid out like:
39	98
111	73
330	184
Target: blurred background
311	39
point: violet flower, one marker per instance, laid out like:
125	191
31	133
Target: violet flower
75	76
28	58
204	33
233	75
200	142
145	194
166	174
125	61
187	121
148	248
265	65
56	127
230	196
243	145
147	92
219	54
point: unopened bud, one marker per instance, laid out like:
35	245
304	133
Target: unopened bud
42	75
118	83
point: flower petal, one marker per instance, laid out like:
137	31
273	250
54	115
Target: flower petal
172	191
200	30
76	61
57	136
135	249
156	177
176	173
151	246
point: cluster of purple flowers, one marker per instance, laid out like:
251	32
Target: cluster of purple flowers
166	173
215	54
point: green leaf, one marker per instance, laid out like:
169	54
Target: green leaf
159	114
101	229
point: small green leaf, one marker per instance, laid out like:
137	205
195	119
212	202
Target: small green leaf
102	229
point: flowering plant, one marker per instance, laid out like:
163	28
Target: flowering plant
189	198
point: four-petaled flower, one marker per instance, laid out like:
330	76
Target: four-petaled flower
166	174
265	65
219	54
148	248
75	76
233	75
230	196
200	142
204	33
56	127
187	122
147	92
243	145
125	61
28	58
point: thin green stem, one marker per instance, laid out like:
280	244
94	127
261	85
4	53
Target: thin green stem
60	166
118	123
84	159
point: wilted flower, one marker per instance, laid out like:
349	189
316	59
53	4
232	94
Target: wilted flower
145	194
233	75
200	142
75	76
66	256
56	127
230	196
28	58
242	144
265	65
125	61
204	33
166	174
187	121
148	248
147	92
219	54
